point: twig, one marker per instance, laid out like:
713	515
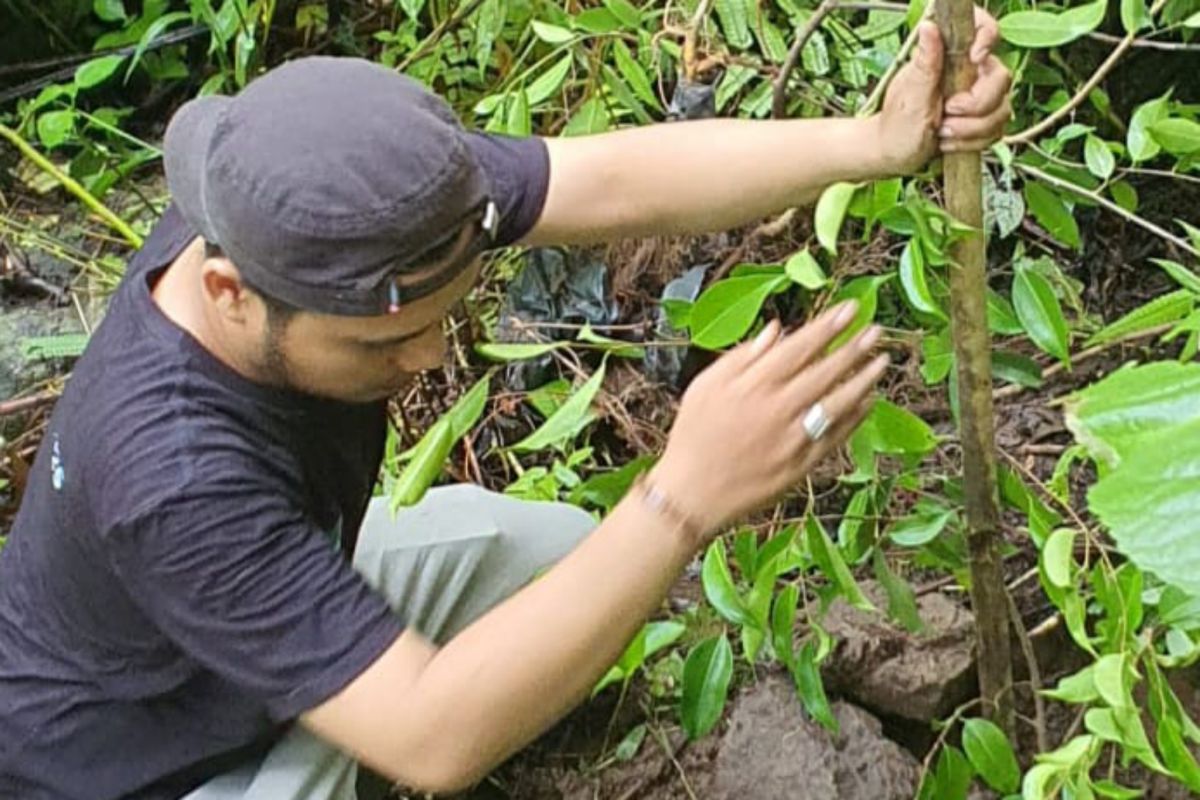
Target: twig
1100	74
779	103
689	38
71	185
1035	673
1146	43
422	49
9	407
1108	204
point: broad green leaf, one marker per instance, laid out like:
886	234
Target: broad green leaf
549	81
783	623
567	420
463	415
1016	368
1115	791
1046	29
810	688
893	430
429	456
59	345
727	309
519	119
97	71
153	32
1183	276
1124	195
923	525
912	279
552	34
902	600
803	268
1177	135
953	774
110	10
1002	318
706	675
1193	21
1112	417
865	292
605	489
734	16
1099	158
719	588
634	75
1162	310
1150	503
516	351
1138	141
1058	558
1078	688
1110	675
55	127
831	210
1052	214
1134	15
1039	782
937	358
591	117
597	21
624	11
991	754
1039	311
829	559
1176	754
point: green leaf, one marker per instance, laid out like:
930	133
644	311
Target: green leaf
1134	15
902	600
1052	214
97	71
734	16
567	420
1112	417
1176	754
727	309
912	279
429	456
549	82
153	32
605	489
991	754
519	120
1150	504
1110	676
591	117
1138	142
597	21
634	75
552	34
1002	318
1161	310
783	623
811	689
865	291
56	127
829	559
923	525
1046	29
1078	688
1039	311
625	11
1099	158
1183	276
1177	135
893	430
60	345
831	210
1058	558
1115	791
953	774
1016	368
1124	195
110	10
719	588
706	675
804	270
629	745
516	351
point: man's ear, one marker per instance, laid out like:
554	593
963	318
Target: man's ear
225	290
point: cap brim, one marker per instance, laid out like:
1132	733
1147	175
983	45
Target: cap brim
186	146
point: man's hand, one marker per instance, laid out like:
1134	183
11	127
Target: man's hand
914	124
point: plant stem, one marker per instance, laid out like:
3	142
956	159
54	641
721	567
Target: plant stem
1101	72
973	354
779	101
71	185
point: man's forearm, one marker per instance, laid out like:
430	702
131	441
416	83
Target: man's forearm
688	177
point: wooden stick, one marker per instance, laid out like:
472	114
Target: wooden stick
973	353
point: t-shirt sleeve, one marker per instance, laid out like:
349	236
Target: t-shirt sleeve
252	591
518	169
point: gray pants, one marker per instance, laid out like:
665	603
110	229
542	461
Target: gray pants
441	564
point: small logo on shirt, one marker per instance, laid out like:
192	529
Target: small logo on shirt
58	473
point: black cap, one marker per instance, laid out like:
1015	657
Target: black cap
326	179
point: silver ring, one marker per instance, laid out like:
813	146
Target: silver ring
816	422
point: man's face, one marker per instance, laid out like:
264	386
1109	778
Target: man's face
360	359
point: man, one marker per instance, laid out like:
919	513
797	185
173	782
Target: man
174	598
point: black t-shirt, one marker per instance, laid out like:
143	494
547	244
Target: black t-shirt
175	589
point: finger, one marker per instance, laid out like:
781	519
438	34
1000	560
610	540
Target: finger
840	402
741	357
987	32
842	430
796	351
928	57
818	380
989	126
987	93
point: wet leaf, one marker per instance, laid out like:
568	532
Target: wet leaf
706	676
1040	313
1052	214
1036	29
567	420
727	309
831	210
829	559
719	588
991	754
811	689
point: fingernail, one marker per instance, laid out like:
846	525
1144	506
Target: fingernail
845	313
766	336
869	337
945	132
954	108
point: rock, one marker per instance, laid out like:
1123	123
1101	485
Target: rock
772	751
881	666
